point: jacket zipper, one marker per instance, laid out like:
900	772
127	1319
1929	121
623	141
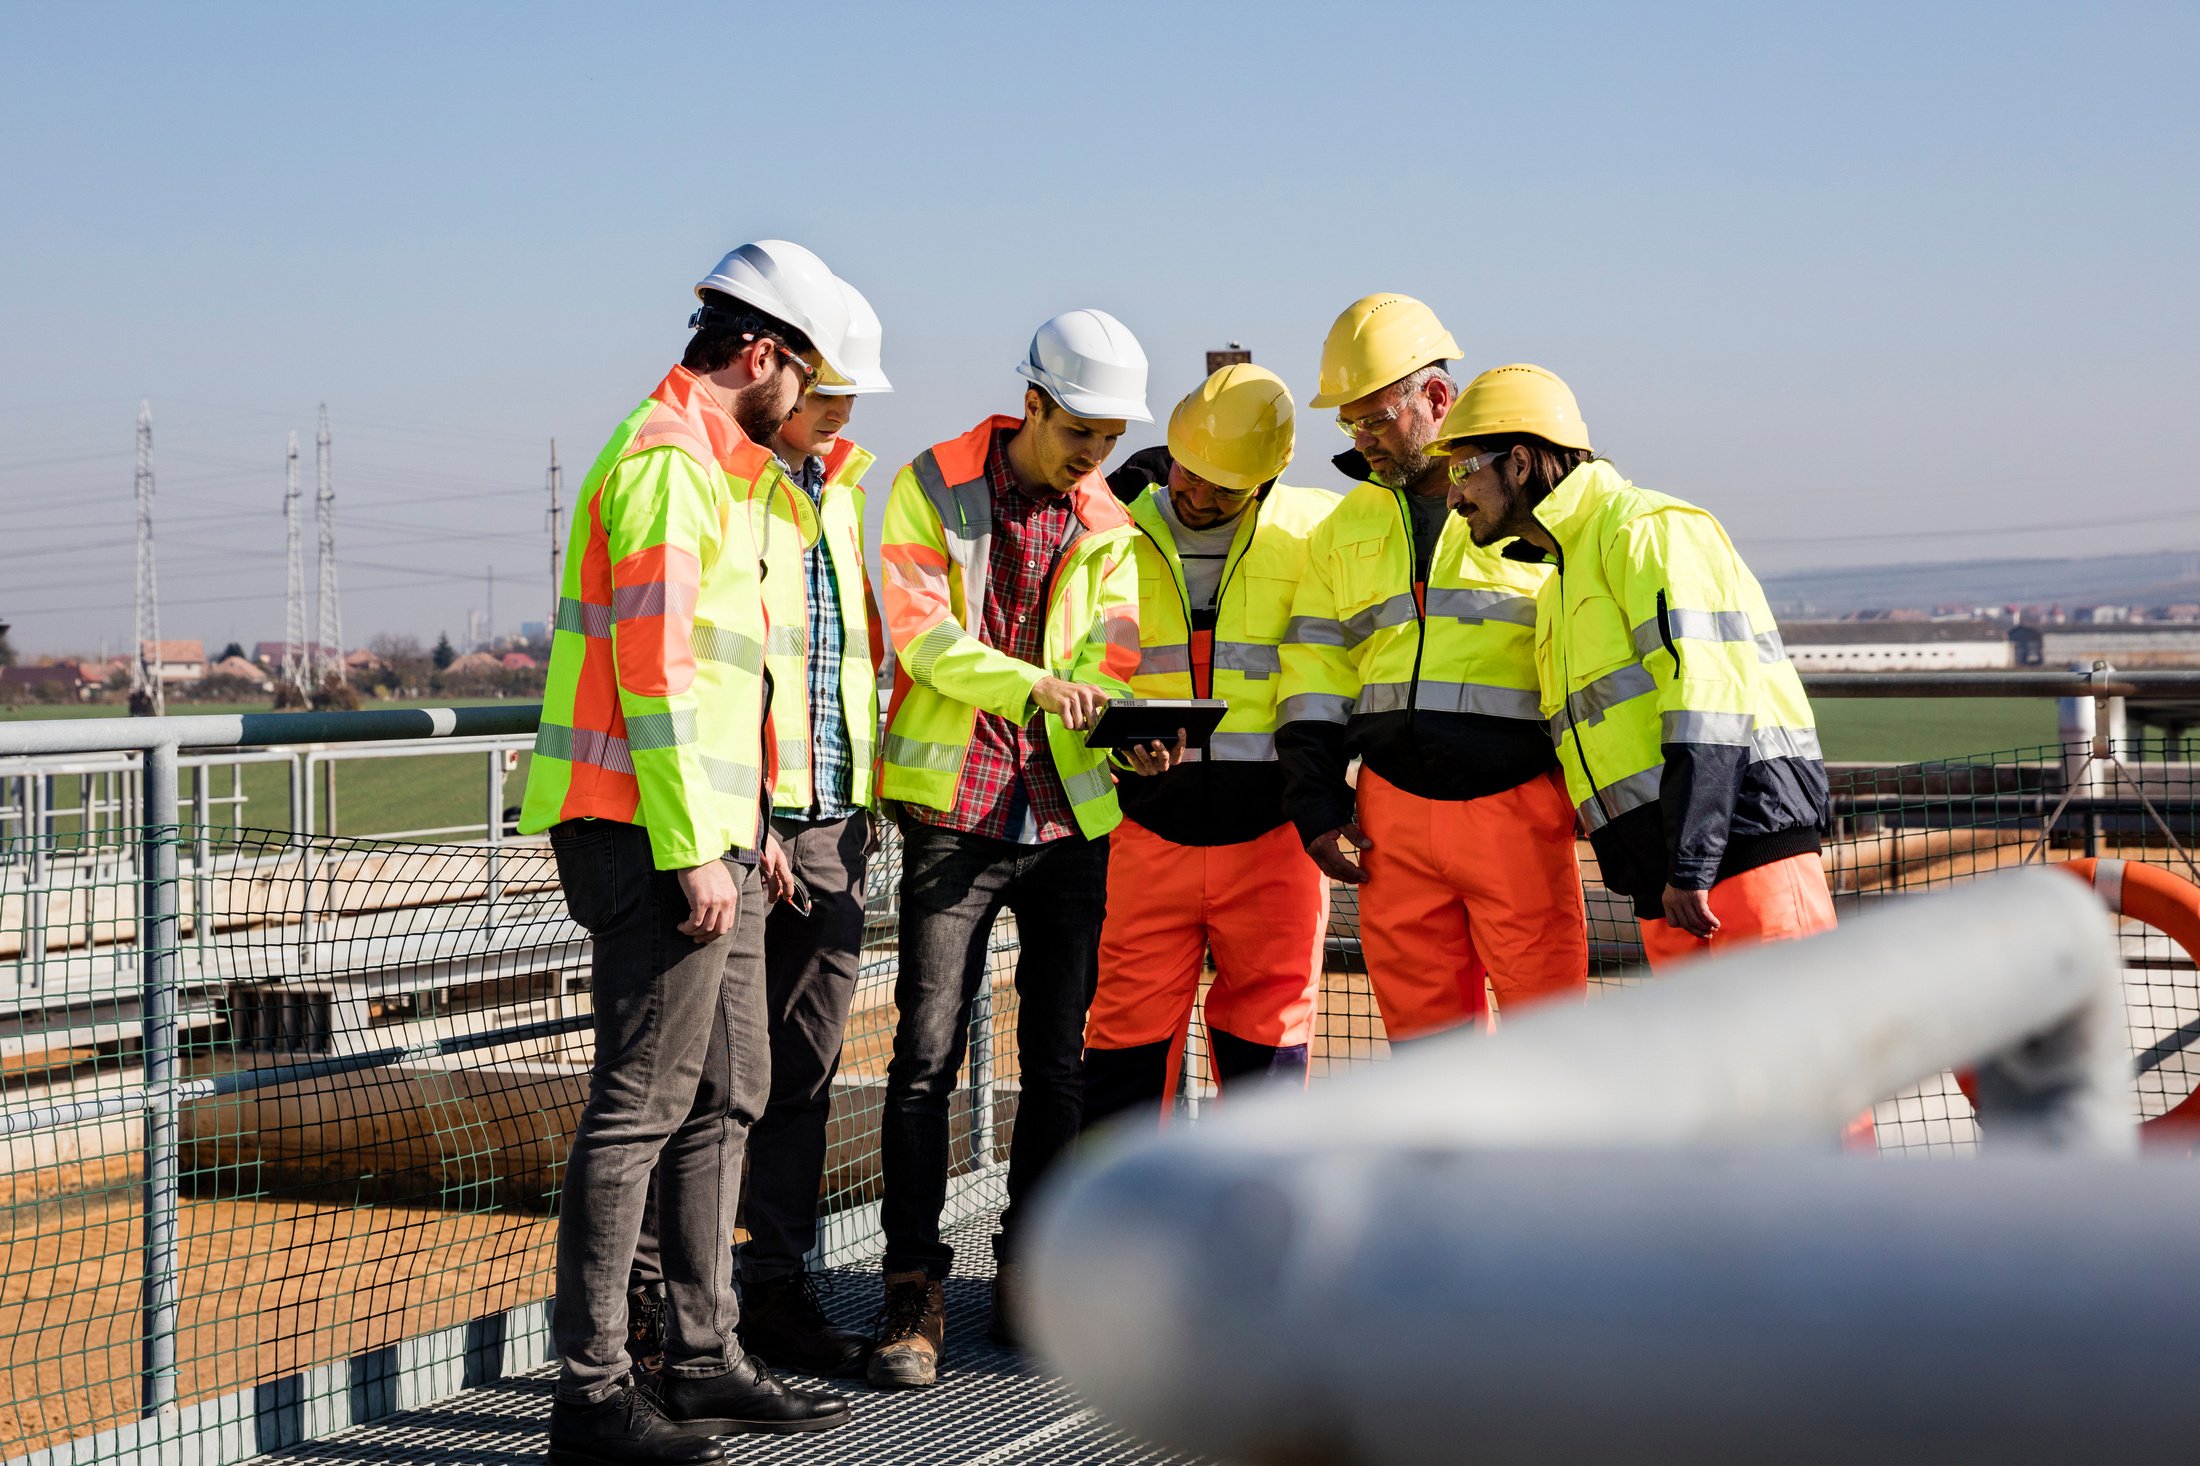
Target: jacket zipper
1566	696
1420	619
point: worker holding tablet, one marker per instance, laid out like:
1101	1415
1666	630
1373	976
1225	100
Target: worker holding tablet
1205	858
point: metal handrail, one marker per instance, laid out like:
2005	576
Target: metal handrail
1458	1246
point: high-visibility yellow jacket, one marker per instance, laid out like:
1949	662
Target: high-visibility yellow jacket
790	524
1433	687
1682	725
654	709
1231	790
933	553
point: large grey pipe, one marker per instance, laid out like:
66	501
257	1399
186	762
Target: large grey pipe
1518	1248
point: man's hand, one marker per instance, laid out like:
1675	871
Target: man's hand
1691	912
1075	703
713	897
1334	863
777	871
1157	758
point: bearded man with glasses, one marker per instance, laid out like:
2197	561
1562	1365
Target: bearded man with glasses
1412	648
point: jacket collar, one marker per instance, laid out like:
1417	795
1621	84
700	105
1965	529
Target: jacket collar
962	459
1571	507
684	392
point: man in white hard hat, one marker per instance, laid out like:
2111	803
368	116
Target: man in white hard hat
823	654
649	774
1012	601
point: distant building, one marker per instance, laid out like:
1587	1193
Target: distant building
270	654
180	661
244	671
62	682
518	662
2127	644
1896	645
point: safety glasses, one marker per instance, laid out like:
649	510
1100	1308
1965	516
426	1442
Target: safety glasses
809	373
1374	422
1467	468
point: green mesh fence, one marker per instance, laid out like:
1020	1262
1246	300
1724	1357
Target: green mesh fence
382	1047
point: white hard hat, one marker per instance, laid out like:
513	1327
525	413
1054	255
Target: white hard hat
1091	364
787	281
859	346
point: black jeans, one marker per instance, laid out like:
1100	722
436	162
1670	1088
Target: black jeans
679	1075
810	969
952	887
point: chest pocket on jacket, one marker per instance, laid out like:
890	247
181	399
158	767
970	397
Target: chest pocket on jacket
1267	606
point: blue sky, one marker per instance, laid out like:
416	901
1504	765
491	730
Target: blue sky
1872	282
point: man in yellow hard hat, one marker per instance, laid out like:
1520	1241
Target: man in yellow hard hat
1686	738
1205	857
1412	647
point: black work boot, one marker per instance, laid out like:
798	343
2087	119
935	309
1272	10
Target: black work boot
747	1399
912	1333
1005	1327
645	1327
624	1429
783	1320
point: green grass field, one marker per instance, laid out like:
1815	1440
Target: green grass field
1913	730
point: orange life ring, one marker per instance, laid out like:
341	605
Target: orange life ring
2170	904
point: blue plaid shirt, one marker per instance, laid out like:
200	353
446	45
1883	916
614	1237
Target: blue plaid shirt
831	756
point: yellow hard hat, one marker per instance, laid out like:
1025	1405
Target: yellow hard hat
1235	429
1515	399
1378	340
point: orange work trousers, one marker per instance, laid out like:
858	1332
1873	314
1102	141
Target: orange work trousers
1454	884
1773	903
1261	905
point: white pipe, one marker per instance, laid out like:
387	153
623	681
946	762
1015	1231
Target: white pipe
1203	1286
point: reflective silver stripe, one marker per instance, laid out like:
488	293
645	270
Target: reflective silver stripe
1461	604
1314	707
1314	631
1089	784
1255	659
1451	697
1686	725
717	644
793	753
966	524
1591	703
1778	742
911	753
924	653
1397	611
650	732
1771	647
2108	883
583	617
1614	800
584	746
1242	748
1693	626
784	641
728	777
1168	657
632	602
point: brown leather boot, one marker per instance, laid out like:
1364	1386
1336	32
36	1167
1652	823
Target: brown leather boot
912	1333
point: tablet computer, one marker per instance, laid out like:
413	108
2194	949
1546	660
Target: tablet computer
1128	720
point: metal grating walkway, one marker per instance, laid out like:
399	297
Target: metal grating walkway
989	1409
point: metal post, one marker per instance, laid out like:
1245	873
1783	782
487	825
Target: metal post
492	876
981	1075
202	852
34	894
161	1290
328	795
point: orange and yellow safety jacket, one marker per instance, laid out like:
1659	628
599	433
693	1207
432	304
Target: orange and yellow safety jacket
1433	685
792	523
654	709
1231	790
933	553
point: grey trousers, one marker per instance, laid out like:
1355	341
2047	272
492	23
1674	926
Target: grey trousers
810	964
681	1072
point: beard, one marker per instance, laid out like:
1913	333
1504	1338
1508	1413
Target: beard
1507	523
1404	470
761	408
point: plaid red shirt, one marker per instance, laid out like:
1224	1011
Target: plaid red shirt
1010	789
